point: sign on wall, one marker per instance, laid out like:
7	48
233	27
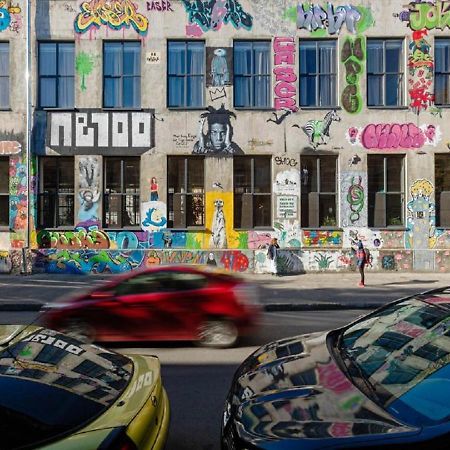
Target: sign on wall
153	57
98	132
287	206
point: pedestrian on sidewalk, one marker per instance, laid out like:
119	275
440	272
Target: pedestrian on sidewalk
272	252
362	258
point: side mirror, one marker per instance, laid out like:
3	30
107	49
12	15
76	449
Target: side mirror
102	294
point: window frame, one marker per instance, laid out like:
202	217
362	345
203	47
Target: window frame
252	76
186	75
402	94
122	77
185	194
442	74
7	106
123	195
253	193
57	76
318	74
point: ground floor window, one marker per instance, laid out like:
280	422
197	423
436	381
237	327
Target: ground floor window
386	190
252	182
318	191
442	182
4	191
186	191
121	195
56	192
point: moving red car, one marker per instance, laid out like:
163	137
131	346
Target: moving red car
163	303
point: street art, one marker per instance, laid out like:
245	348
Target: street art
89	188
154	196
218	139
218	230
353	57
443	260
392	136
258	240
84	63
370	238
353	199
153	216
159	5
421	66
18	208
234	261
286	206
285	89
429	15
315	18
289	261
399	260
112	14
323	260
287	182
10	147
217	93
79	239
318	131
5	262
219	63
287	233
278	119
181	140
206	15
270	16
96	132
285	161
322	238
10	17
421	219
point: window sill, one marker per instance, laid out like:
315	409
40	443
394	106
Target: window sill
64	228
401	108
125	228
5	110
4	228
322	228
187	108
56	109
120	109
255	229
320	108
250	108
183	230
390	228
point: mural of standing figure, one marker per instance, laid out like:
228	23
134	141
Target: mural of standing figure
318	131
220	74
219	233
89	188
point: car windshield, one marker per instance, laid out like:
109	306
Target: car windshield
51	385
401	355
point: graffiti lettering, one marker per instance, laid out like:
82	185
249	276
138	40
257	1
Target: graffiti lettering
79	239
163	5
115	14
428	15
285	161
322	238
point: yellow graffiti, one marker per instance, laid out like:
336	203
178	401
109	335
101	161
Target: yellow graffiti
115	14
422	187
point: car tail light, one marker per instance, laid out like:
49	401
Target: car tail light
117	440
247	294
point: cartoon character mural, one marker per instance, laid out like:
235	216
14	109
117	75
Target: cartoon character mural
10	17
153	216
89	188
219	61
218	139
218	229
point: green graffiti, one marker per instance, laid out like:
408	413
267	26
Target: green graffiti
429	16
192	241
290	14
243	240
366	21
84	64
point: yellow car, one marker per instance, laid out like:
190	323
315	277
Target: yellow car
57	393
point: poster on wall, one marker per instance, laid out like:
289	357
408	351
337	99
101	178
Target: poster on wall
287	206
153	215
219	66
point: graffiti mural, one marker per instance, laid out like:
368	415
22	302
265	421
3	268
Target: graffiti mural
429	15
219	63
322	238
153	216
421	66
289	262
96	132
287	182
421	220
10	17
353	57
218	229
285	89
84	63
73	240
210	15
370	238
393	136
318	131
353	187
159	5
218	138
271	17
89	189
112	14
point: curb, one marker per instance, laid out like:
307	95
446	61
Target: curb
21	307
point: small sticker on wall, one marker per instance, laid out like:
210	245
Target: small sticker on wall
153	57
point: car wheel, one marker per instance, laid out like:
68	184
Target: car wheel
79	329
217	333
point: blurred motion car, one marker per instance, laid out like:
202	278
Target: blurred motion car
57	393
382	382
198	304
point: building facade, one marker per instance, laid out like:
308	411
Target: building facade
184	131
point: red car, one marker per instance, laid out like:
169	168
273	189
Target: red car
163	303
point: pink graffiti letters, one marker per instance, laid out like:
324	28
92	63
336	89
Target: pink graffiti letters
392	136
284	70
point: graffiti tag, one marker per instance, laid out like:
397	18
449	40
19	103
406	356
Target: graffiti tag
163	5
427	15
285	161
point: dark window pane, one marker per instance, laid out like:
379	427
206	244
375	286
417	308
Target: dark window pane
376	173
195	175
131	58
242	91
112	59
393	90
4	210
66	92
328	175
327	210
393	56
131	92
47	59
66	59
242	174
394	168
262	210
4	175
263	178
374	90
48	92
394	214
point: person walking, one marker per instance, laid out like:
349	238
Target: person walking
272	255
361	260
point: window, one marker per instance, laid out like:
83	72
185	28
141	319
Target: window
56	197
186	74
318	73
318	191
186	191
4	191
442	182
385	72
385	190
252	192
122	75
442	71
56	74
4	75
121	198
252	80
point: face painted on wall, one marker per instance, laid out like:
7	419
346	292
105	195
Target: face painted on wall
217	135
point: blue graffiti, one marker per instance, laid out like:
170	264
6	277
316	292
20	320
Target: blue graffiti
5	19
148	221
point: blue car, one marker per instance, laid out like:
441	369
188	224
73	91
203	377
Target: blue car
382	382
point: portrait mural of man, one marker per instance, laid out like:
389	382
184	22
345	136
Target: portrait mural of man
218	138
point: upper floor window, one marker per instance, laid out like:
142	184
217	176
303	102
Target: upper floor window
252	192
56	74
4	191
442	71
122	74
442	182
186	74
318	191
385	72
252	79
56	192
318	73
4	75
186	191
121	197
386	190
